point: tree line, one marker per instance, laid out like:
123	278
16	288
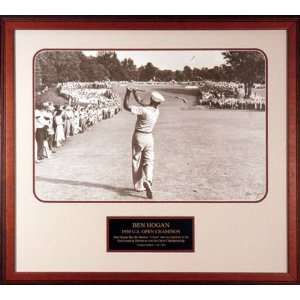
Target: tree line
51	67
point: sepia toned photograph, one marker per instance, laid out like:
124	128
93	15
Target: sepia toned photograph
150	125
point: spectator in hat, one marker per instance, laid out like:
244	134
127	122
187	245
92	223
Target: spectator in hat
40	131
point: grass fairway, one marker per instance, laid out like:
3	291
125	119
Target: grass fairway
200	155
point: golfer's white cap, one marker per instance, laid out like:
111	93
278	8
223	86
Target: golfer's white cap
157	97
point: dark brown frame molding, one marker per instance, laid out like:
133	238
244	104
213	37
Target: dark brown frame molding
8	217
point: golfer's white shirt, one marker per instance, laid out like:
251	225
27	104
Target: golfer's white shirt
146	117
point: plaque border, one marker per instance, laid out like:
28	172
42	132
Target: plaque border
192	218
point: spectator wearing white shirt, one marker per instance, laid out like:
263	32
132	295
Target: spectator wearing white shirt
40	131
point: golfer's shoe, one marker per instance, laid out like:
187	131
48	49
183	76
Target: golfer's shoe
148	186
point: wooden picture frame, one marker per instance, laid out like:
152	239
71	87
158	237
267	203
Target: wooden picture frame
9	25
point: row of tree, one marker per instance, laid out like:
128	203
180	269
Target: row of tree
247	67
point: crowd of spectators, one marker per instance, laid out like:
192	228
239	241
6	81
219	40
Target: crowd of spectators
229	95
55	124
86	92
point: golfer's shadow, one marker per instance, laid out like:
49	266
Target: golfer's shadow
119	190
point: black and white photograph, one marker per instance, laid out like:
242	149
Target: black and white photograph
150	125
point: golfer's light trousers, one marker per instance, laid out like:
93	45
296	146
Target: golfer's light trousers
142	159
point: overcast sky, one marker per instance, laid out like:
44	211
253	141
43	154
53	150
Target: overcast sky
171	59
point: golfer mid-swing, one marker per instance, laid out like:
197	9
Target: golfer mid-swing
142	139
